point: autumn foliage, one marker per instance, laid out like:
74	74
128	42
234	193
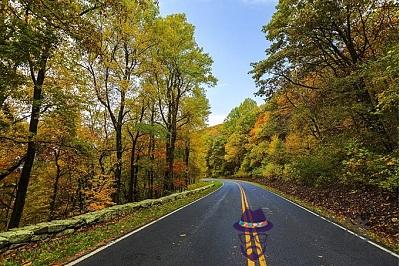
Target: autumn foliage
330	81
99	102
329	123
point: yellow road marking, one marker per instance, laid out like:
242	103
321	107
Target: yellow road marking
245	205
261	258
248	239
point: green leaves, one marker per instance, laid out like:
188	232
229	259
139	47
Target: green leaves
365	167
330	77
111	83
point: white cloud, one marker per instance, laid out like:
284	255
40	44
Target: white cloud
215	119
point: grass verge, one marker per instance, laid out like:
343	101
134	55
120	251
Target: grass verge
334	217
198	185
63	249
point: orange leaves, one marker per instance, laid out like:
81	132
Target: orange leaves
100	191
159	154
262	119
179	184
179	167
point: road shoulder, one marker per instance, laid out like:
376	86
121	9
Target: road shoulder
65	249
332	218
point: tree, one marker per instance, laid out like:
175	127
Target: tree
236	127
324	46
82	83
134	159
115	66
37	33
179	66
195	110
329	79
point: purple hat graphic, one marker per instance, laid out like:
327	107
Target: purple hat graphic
253	226
253	221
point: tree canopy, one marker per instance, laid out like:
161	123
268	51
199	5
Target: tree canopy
330	80
99	104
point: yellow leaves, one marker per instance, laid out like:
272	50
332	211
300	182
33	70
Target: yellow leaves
107	33
281	100
4	119
124	85
294	143
234	148
111	64
128	29
199	146
275	145
262	119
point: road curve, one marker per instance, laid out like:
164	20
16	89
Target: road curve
203	234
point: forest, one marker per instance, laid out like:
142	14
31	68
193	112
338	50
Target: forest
330	119
100	104
104	102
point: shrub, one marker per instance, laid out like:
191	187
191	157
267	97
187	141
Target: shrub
316	169
271	170
365	167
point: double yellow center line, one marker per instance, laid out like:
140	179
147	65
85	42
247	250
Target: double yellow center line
261	258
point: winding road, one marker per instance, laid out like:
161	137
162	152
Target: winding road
203	234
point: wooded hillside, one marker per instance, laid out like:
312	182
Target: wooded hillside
330	120
330	80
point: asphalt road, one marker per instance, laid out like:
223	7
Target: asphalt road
203	234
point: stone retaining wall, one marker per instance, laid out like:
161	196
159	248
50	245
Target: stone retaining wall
23	235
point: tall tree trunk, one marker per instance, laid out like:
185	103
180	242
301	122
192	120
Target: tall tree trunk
79	199
132	172
150	171
170	145
170	157
118	166
187	155
152	146
134	168
23	183
132	190
117	122
55	187
9	205
118	139
135	180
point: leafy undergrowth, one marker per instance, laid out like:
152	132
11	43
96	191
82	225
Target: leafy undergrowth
369	213
60	250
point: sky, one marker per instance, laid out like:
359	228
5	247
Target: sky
230	31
